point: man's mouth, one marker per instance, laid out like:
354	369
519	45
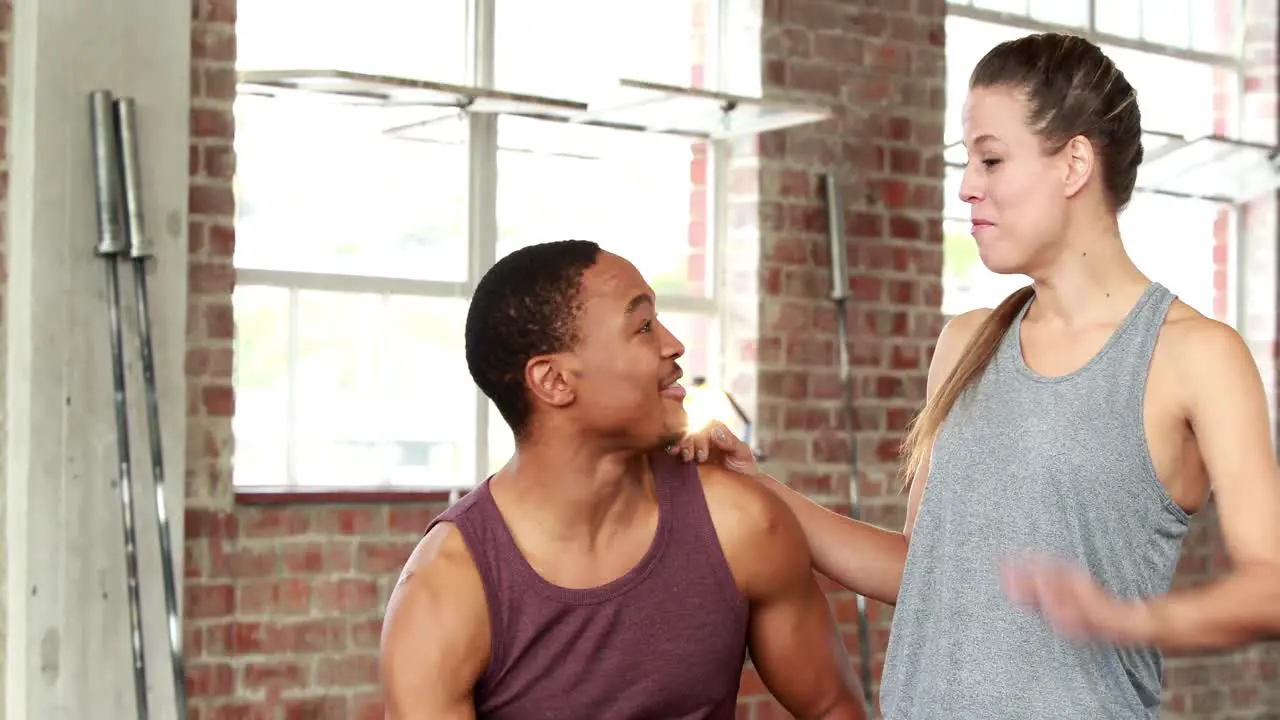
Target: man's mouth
671	388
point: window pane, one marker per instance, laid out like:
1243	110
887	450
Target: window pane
339	421
321	189
261	420
582	47
1215	26
501	443
641	196
1171	240
740	58
431	400
1168	22
967	284
1062	12
383	394
700	335
390	37
967	42
1186	107
1018	7
954	208
1119	17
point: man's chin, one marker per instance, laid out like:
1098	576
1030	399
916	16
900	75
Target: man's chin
669	438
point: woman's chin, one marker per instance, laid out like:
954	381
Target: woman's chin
1001	264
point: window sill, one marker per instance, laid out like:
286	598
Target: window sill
346	496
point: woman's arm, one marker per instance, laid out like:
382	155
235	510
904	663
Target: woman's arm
860	556
866	559
1227	410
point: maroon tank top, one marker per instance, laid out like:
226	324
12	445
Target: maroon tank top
666	641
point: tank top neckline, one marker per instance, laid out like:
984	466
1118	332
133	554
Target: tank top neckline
1020	361
600	593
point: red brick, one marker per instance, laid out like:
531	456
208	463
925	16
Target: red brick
290	596
215	680
347	595
211	200
209	601
222	241
411	520
216	44
382	557
275	522
304	636
366	633
347	670
238	711
218	400
325	708
351	521
313	558
211	279
214	11
368	706
276	674
211	123
243	562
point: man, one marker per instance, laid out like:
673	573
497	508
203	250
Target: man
593	577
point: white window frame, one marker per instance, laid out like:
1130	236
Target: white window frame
482	179
1235	62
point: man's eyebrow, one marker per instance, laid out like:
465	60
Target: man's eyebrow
637	301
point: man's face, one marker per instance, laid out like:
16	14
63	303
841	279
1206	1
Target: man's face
622	375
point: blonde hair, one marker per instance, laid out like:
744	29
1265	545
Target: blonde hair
972	363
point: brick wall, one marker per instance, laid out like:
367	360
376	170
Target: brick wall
6	24
883	73
283	601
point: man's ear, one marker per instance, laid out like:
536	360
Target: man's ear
549	380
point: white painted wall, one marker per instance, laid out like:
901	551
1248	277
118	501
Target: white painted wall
66	621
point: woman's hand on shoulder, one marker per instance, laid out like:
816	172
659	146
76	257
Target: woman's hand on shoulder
717	445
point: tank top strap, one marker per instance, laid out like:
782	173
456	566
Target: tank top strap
1130	348
679	492
1009	349
1145	324
479	522
693	531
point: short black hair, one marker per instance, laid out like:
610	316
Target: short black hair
526	305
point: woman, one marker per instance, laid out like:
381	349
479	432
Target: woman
1066	438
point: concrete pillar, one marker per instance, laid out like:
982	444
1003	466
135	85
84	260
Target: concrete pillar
67	651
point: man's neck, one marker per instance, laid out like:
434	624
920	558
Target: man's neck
573	491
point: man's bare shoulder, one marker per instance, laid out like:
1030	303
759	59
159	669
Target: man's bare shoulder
756	530
437	617
442	551
741	500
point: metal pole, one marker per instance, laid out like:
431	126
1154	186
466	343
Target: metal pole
111	242
140	249
840	296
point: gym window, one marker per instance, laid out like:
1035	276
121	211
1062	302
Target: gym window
361	231
1186	236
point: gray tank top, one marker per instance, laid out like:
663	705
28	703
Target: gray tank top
1056	465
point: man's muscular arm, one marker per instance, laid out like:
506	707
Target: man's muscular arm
435	636
793	639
